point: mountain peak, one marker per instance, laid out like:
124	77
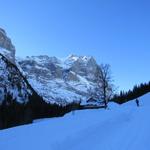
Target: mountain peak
2	31
73	57
6	46
51	77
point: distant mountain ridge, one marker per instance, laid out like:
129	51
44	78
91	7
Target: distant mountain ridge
62	80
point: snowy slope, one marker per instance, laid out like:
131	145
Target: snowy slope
124	127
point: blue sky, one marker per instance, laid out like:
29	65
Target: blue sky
113	31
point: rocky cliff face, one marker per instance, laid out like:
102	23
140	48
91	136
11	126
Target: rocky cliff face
6	46
13	85
61	80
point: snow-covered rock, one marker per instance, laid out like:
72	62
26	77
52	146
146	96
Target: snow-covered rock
13	85
6	46
61	80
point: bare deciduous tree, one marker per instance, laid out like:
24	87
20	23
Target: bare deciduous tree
105	83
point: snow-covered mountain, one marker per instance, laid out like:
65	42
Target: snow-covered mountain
121	127
62	80
13	85
56	80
